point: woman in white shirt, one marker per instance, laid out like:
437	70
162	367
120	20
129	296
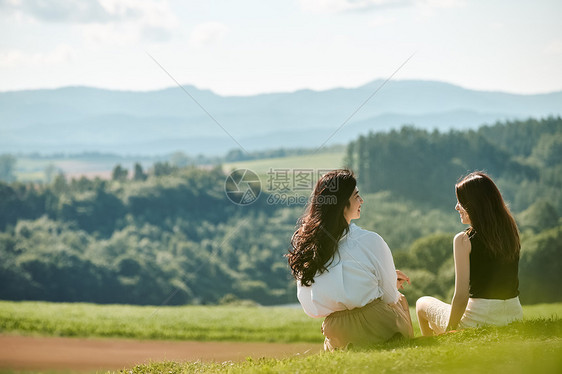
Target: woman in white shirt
345	273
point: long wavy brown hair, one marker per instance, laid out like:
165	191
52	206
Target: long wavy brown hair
315	241
489	215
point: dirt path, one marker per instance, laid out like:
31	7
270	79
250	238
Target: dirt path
80	354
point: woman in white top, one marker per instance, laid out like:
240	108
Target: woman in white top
345	273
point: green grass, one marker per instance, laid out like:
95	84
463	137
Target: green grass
533	345
204	323
524	347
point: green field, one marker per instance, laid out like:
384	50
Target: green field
275	170
330	160
533	345
32	169
203	323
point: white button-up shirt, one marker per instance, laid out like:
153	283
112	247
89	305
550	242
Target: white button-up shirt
362	271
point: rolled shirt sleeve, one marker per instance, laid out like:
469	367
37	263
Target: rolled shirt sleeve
387	271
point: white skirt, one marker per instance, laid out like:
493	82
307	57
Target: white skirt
479	312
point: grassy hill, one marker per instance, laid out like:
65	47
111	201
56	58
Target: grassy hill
198	323
526	347
533	345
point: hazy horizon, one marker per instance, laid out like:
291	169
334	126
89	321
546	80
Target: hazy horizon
249	47
273	92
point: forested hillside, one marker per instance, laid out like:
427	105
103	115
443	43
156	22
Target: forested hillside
169	235
140	241
525	159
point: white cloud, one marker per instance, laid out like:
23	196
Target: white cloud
554	48
430	8
149	12
155	33
108	21
208	33
110	34
89	11
379	21
61	54
497	26
341	39
339	6
58	11
443	3
146	20
123	8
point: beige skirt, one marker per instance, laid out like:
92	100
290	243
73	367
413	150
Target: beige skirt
376	322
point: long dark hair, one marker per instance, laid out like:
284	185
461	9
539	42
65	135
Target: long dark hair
489	216
319	230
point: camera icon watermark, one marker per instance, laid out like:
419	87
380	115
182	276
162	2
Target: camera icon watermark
284	186
242	186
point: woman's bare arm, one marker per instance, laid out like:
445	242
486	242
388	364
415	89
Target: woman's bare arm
461	250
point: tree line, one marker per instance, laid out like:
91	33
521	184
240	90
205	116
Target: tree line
169	235
140	241
523	156
525	159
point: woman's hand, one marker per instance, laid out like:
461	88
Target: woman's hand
400	279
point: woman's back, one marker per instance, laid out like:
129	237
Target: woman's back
345	273
486	263
491	277
362	271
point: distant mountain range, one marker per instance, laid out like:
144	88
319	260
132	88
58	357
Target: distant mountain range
78	119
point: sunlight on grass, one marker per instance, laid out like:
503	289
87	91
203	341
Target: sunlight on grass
203	323
523	347
532	345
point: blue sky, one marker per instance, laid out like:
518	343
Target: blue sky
246	47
